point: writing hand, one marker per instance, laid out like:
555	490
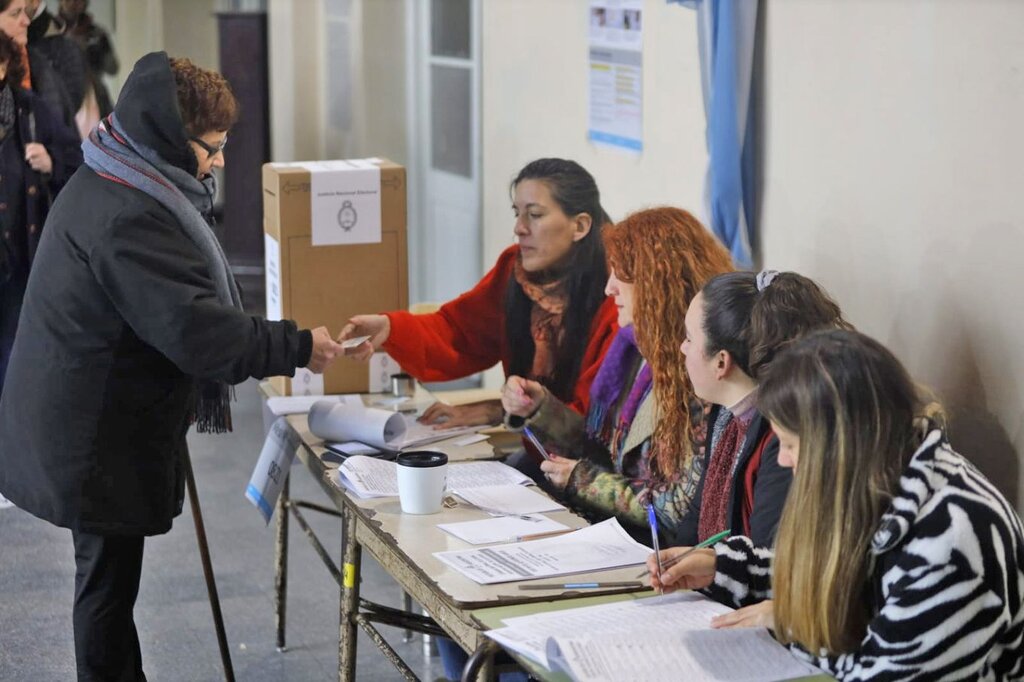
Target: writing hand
377	327
558	470
760	615
325	350
521	397
445	416
692	573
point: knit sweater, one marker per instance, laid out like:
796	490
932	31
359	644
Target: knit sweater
467	335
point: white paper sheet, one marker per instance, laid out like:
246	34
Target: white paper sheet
370	477
595	548
501	529
298	404
383	429
657	638
736	655
344	202
509	499
272	468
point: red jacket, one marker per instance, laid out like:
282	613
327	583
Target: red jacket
467	335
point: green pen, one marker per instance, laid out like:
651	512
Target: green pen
700	545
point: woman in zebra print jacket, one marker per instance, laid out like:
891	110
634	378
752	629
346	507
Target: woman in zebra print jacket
895	558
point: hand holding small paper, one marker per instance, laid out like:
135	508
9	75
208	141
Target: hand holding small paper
376	327
325	350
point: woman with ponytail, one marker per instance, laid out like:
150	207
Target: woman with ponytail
896	558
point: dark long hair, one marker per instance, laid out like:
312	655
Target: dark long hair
753	325
575	192
10	53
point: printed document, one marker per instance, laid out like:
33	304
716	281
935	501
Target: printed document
595	548
383	429
372	477
507	499
657	638
501	529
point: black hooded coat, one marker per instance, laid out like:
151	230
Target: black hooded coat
120	320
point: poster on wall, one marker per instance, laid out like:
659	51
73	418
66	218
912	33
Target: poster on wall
616	74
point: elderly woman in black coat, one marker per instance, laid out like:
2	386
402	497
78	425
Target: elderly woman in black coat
131	331
37	156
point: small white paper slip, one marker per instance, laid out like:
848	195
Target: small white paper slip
469	440
272	468
298	404
353	448
500	529
508	499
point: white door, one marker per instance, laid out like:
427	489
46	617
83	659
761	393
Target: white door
445	237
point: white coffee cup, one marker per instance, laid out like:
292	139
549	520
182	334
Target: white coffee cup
422	476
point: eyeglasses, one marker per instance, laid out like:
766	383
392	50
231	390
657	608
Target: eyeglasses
211	151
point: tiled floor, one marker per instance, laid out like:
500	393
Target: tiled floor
172	613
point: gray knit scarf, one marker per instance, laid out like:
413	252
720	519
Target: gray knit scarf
114	155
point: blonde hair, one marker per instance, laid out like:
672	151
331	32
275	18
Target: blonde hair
853	406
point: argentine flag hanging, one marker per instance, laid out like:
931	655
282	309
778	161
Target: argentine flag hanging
726	33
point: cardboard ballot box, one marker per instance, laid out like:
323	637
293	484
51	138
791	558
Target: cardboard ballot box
335	246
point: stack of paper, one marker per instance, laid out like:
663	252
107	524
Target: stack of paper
656	639
595	548
506	499
384	429
300	404
502	529
371	477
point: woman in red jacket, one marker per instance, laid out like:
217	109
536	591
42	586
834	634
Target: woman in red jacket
541	310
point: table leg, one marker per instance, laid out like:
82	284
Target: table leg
480	666
281	563
351	565
407	606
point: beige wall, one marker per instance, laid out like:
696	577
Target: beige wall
893	170
183	28
534	83
893	176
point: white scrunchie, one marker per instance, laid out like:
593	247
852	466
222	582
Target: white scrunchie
765	278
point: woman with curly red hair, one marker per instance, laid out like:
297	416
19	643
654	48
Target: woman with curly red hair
637	444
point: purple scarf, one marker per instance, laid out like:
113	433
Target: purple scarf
604	423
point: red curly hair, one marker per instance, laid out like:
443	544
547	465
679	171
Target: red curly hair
667	255
204	97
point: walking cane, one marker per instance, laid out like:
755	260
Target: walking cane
211	583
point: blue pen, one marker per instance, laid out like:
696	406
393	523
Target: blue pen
536	442
652	519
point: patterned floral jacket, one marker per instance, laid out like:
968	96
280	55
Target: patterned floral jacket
606	484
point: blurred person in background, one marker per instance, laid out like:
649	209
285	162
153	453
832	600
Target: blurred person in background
37	156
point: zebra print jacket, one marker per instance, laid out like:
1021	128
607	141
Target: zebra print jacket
948	583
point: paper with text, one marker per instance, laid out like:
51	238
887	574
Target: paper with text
656	638
371	477
500	529
508	499
383	429
272	468
595	548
